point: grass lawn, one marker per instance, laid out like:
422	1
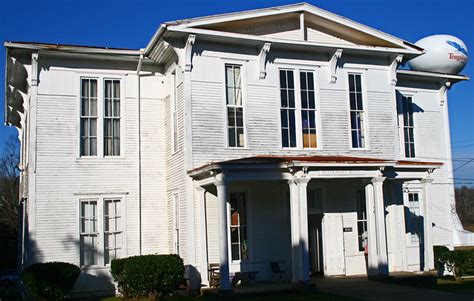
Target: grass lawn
446	284
316	296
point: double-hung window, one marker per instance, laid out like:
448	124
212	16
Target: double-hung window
238	227
112	118
89	117
101	234
298	109
89	233
408	126
100	122
362	233
357	114
234	106
176	223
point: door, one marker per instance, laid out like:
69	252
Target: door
315	243
333	246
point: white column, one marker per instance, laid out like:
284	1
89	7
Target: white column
427	226
221	186
203	235
295	232
302	184
372	260
380	226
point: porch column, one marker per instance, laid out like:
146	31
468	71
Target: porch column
295	232
380	226
203	235
427	226
372	260
221	186
302	184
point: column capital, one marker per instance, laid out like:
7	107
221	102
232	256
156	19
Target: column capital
376	180
220	180
427	181
302	180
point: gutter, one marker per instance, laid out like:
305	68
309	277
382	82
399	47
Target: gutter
5	106
139	165
71	49
154	39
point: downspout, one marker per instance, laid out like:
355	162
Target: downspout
139	163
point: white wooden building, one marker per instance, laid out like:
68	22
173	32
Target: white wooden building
287	135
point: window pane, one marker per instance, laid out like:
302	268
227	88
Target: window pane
235	252
351	82
291	81
230	96
310	81
239	117
231	117
116	89
93	88
232	141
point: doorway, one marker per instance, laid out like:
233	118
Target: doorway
315	243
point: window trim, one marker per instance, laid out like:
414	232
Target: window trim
243	73
363	83
100	77
103	117
101	198
297	68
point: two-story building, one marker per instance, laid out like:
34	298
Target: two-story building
287	134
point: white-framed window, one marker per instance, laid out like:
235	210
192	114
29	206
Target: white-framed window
113	235
239	242
111	117
362	233
408	126
413	222
176	213
100	117
357	113
298	108
234	106
100	230
89	117
89	233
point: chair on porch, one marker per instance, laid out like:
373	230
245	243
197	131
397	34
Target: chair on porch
278	274
214	275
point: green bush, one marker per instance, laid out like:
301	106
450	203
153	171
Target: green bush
148	275
440	253
458	262
50	280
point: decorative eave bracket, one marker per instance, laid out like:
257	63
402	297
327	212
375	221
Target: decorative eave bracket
262	57
393	69
34	69
188	53
333	65
443	92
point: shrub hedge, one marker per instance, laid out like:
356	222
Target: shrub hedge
50	280
458	262
148	275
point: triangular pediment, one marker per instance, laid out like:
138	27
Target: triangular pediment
297	22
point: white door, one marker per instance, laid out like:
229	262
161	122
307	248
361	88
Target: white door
333	244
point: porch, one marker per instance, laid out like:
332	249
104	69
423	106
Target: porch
310	215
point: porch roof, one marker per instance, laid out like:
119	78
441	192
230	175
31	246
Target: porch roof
312	161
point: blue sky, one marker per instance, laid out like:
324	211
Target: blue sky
130	24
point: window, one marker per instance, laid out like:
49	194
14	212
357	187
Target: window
288	108
112	118
356	111
88	117
413	218
89	232
112	230
308	109
408	127
99	217
235	109
315	201
362	233
174	114
238	227
176	223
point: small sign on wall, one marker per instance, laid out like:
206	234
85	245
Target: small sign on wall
347	229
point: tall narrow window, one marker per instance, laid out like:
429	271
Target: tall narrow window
288	108
112	230
408	127
89	232
174	114
88	117
112	118
413	218
235	109
308	109
238	226
362	233
357	111
176	223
